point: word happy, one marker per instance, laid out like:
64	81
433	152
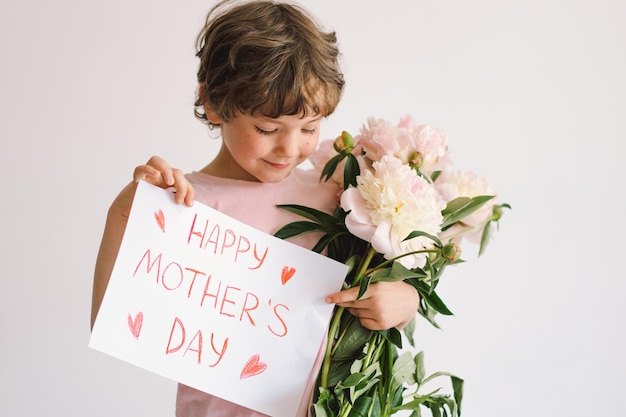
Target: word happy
222	242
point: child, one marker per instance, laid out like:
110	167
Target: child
268	75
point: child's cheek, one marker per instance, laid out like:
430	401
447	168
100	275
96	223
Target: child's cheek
310	146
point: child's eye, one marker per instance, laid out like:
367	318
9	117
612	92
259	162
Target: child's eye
264	132
309	131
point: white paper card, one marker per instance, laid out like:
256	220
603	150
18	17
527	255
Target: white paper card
201	298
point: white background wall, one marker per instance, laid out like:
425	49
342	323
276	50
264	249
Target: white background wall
531	93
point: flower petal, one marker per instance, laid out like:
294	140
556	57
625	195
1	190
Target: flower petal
358	221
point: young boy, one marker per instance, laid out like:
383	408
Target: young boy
268	75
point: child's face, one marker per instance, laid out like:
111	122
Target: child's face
264	149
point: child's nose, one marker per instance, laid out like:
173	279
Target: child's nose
287	145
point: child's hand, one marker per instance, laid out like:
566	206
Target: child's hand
383	306
157	172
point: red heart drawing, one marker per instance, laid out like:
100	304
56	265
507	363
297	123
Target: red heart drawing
252	367
135	325
160	219
286	274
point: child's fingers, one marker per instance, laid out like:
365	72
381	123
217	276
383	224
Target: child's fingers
365	309
345	298
165	170
148	174
158	172
184	190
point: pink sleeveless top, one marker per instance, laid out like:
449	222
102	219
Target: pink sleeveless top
254	203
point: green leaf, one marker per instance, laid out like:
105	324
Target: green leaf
436	303
451	406
297	228
462	207
352	340
420	370
409	331
429	314
457	387
322	406
352	380
328	222
350	172
366	384
484	239
397	398
403	371
324	241
435	410
365	282
330	167
397	272
438	374
418	233
411	405
393	335
455	205
361	407
339	370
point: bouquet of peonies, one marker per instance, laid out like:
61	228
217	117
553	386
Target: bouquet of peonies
403	215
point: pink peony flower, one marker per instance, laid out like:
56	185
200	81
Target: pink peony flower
379	138
389	203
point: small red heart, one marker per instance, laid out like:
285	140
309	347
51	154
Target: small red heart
252	367
135	324
160	219
286	274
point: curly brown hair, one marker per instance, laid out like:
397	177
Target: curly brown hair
268	58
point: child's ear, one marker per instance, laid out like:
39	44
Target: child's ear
210	113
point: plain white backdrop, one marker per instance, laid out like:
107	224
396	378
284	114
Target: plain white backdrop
530	93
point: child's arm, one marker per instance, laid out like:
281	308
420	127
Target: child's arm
156	171
383	306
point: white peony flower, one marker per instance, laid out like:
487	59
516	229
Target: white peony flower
388	204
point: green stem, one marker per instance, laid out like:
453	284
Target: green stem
346	407
388	393
334	326
363	266
371	348
336	320
390	261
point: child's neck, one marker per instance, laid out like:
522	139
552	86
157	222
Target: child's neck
217	169
225	166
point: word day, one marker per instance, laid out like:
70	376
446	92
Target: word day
196	344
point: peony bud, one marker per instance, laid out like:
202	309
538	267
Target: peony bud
496	213
344	142
415	160
451	251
